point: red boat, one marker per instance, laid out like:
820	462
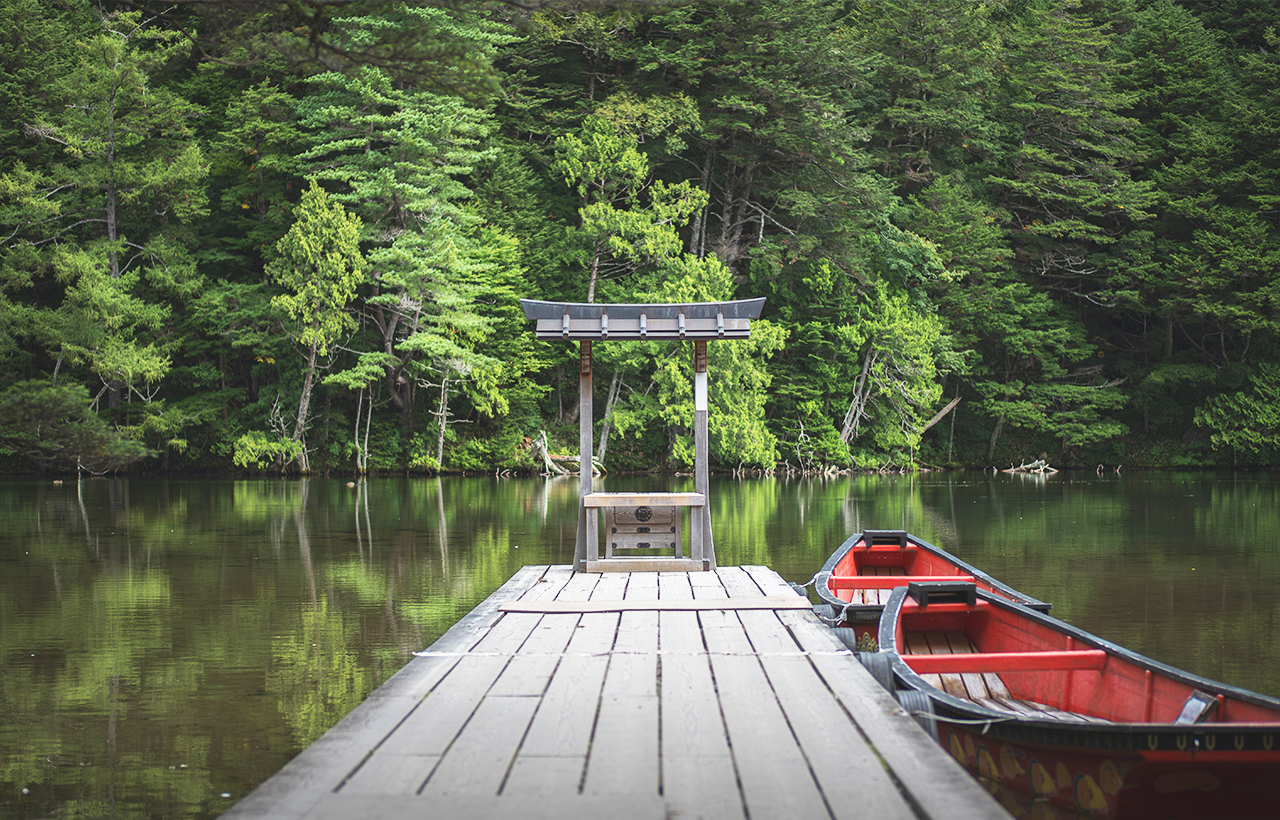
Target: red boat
856	580
1061	723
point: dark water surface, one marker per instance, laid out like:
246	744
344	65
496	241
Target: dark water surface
168	644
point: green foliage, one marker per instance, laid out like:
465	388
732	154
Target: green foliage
618	234
319	264
1247	421
260	450
1060	213
660	396
53	427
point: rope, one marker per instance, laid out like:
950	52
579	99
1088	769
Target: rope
985	723
837	619
828	621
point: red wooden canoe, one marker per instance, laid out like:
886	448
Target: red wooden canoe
1051	716
858	578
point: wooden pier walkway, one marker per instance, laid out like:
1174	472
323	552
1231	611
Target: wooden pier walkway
628	695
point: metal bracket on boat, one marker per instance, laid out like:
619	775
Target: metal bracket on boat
926	591
1197	708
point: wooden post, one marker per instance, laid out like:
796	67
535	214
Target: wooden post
588	544
702	456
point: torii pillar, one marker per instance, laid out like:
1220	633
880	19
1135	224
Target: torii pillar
698	322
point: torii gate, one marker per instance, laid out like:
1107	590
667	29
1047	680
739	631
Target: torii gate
698	322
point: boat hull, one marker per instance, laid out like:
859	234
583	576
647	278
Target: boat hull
1046	781
1054	719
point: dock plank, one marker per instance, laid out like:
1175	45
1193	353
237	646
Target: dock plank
722	630
611	586
551	635
525	676
538	777
674	586
432	726
507	635
738	584
938	787
632	675
852	779
469	807
392	774
476	762
691	721
724	633
637	632
562	727
624	749
764	630
699	776
595	633
678	633
775	775
624	746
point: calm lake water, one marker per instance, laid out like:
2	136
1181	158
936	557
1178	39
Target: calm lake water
168	644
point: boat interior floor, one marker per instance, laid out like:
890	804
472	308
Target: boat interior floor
876	597
983	688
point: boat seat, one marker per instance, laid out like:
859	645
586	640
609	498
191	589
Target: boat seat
1197	709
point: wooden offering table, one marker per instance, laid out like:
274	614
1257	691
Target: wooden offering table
645	521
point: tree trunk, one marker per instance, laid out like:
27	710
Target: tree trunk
859	401
443	413
113	226
941	415
698	233
356	439
614	387
951	438
540	450
304	404
364	450
595	270
995	436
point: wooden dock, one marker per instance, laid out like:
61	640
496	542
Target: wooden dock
628	695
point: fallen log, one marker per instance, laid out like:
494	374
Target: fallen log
1038	466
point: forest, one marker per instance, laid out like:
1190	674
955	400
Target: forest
291	237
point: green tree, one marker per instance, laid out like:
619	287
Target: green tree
1062	172
934	67
114	224
40	46
54	426
1248	421
398	155
320	266
618	232
779	149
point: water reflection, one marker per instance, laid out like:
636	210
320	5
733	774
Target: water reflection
169	642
